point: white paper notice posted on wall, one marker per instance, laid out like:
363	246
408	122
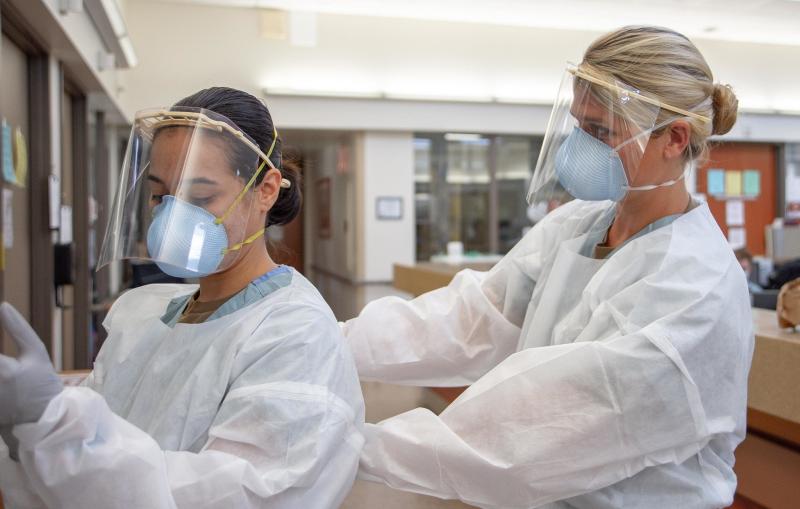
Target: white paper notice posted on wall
734	213
737	237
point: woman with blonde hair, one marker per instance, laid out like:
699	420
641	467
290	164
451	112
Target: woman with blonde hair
607	354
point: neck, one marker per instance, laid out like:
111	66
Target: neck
252	263
641	208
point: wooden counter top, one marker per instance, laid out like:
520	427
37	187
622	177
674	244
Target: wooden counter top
774	386
428	276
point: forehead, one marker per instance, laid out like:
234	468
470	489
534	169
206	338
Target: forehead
588	104
180	150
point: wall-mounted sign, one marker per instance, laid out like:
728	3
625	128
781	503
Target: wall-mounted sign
389	208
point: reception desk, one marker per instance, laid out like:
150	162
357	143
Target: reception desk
768	461
426	276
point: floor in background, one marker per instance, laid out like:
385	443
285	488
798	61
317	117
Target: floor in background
742	503
382	401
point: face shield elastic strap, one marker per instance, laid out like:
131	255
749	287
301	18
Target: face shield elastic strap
285	184
656	127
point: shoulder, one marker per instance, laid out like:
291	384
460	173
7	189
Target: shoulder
564	223
297	339
569	220
296	313
695	239
686	268
143	303
301	297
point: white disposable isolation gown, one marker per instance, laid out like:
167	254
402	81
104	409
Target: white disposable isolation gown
594	383
258	408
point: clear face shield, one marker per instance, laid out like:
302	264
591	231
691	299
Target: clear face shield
185	199
596	142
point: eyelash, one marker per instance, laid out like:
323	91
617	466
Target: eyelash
200	202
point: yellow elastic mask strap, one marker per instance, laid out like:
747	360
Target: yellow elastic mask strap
249	240
252	181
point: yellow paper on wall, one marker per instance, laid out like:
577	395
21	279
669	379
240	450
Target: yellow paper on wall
733	183
21	157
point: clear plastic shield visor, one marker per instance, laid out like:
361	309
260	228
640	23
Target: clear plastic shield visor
185	195
595	141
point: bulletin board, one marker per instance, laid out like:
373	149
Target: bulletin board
739	182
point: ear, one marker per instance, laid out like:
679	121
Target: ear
267	191
677	139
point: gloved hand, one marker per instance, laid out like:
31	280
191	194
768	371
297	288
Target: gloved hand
27	383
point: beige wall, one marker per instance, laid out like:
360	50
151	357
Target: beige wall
388	169
14	108
184	47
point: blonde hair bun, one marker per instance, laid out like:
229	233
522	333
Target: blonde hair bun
726	107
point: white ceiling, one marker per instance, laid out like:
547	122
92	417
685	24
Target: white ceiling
758	21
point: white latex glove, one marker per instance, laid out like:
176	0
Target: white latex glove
27	383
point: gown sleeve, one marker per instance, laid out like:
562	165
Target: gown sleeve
453	335
558	421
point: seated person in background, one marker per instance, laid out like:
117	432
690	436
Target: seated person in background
238	392
746	261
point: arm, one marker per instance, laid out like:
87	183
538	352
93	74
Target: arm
286	435
546	424
452	336
555	422
447	337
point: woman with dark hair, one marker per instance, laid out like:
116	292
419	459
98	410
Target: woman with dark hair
234	392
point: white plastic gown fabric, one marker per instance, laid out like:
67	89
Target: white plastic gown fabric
594	383
259	408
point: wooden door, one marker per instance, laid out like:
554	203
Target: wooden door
759	208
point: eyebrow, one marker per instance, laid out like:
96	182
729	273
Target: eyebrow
198	180
595	120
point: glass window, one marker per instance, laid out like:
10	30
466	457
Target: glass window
471	188
468	183
516	159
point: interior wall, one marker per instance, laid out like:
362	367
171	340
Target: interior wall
366	54
388	170
328	173
329	190
16	267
